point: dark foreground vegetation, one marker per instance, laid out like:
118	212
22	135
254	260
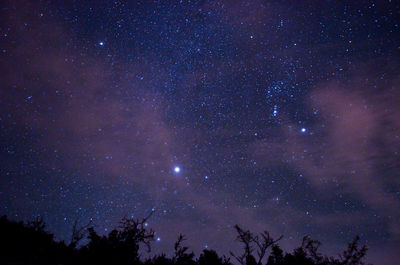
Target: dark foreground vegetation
30	243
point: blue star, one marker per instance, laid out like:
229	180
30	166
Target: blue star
177	169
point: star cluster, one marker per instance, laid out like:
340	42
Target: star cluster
277	115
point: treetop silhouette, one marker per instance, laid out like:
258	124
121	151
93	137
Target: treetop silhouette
30	243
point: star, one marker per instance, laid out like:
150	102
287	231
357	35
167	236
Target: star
303	130
101	43
275	112
177	169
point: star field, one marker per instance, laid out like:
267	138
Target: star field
277	115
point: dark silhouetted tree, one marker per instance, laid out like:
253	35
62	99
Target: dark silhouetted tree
159	260
30	243
307	254
79	232
121	246
181	257
353	255
210	257
260	243
276	257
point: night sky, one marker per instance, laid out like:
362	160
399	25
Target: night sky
277	115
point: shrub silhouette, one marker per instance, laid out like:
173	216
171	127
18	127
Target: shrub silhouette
259	243
210	257
159	260
181	255
120	246
307	254
30	243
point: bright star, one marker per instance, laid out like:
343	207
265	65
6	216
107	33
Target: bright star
303	130
275	111
101	43
177	169
158	239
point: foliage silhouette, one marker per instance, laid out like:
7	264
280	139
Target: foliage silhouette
181	257
252	242
210	257
120	246
307	254
78	233
30	243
